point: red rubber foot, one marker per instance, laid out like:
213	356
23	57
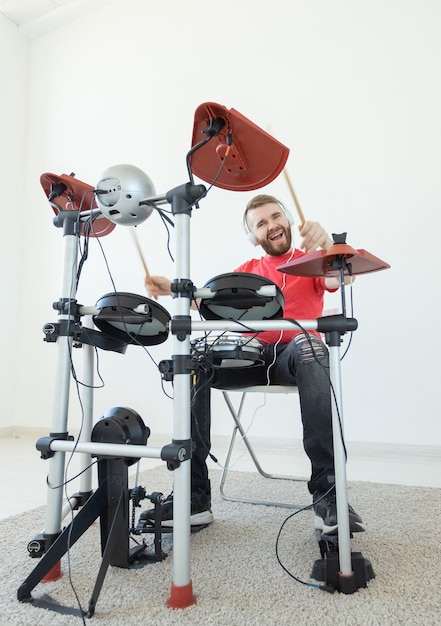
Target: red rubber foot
53	574
181	597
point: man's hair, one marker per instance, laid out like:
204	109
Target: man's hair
257	201
262	198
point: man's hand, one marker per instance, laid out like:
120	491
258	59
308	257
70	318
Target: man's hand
314	237
157	286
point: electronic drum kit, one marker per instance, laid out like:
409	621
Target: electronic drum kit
239	303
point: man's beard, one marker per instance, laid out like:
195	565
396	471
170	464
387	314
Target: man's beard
278	248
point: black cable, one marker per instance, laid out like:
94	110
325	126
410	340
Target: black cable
164	218
351	334
327	588
67	481
72	315
327	373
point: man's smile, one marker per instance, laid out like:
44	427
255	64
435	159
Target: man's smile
275	236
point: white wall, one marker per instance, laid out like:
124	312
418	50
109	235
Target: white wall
13	106
352	88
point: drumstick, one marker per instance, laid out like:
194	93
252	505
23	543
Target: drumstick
293	194
294	197
148	278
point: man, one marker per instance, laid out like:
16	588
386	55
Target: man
291	358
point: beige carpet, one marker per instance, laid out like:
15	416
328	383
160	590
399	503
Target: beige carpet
236	576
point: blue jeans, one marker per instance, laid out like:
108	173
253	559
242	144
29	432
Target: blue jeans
302	362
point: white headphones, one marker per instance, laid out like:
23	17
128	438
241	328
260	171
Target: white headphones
250	235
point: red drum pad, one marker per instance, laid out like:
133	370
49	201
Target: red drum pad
71	194
253	157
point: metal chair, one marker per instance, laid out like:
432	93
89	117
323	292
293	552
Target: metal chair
237	416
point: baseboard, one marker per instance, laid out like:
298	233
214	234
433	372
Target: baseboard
7	431
379	463
358	447
27	432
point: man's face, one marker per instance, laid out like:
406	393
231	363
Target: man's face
271	228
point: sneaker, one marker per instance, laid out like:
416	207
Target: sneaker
325	509
200	513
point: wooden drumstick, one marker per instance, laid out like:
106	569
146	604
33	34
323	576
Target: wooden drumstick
148	278
293	194
294	197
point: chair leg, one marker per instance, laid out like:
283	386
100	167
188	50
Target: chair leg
236	415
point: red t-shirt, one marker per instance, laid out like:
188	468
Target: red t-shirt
303	295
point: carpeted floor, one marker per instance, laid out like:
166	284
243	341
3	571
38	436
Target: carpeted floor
236	577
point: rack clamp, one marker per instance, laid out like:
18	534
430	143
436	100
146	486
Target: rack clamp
335	326
70	327
180	364
43	444
176	452
182	286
